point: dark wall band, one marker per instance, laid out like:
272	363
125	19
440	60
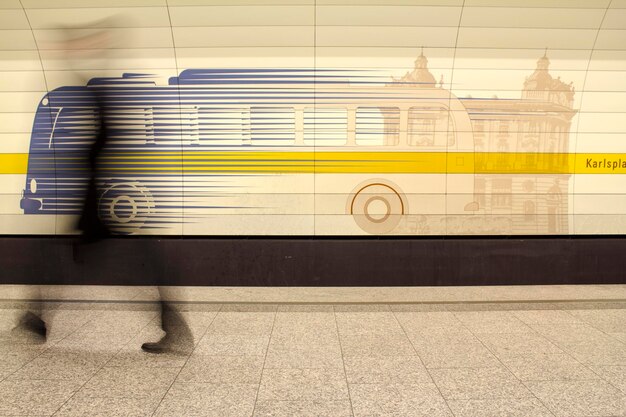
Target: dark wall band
314	261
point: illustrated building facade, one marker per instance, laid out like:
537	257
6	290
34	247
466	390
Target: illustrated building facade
533	126
524	192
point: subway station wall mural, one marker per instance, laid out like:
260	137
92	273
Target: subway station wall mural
475	117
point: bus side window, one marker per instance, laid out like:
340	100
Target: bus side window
129	125
189	125
325	126
272	126
167	125
431	126
377	126
224	126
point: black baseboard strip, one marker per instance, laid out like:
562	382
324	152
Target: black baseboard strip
314	261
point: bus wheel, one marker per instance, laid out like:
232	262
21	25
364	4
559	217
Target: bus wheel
124	207
377	207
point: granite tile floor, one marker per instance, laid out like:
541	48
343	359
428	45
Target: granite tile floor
481	358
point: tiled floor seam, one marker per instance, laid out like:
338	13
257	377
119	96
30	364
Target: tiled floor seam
267	349
559	303
422	362
591	367
41	352
184	364
343	362
508	369
95	373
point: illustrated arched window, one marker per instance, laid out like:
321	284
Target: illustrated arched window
223	125
431	126
325	126
272	126
377	126
529	210
501	189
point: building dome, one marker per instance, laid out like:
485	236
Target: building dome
540	85
541	78
420	76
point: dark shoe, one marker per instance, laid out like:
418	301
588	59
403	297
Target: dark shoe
168	345
177	340
34	326
154	347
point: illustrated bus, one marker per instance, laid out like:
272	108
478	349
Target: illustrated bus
260	151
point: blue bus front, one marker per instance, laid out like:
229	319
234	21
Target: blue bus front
63	131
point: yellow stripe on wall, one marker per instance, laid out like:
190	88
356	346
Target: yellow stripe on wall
13	163
350	162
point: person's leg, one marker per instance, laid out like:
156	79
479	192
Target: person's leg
31	322
178	337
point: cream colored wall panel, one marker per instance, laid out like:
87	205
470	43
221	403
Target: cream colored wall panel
22	81
385	36
519	59
283	203
606	81
236	37
9	203
260	57
54	39
509	38
586	4
592	224
264	187
333	225
53	4
249	15
401	59
19	102
387	15
58	79
611	39
599	203
19	61
253	225
12	185
614	102
602	123
17	40
126	59
615	19
500	82
598	142
14	142
16	122
13	19
608	61
10	4
460	92
428	184
238	2
395	2
603	184
527	17
125	17
618	4
19	224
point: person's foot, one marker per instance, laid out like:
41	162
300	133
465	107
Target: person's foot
154	347
169	344
34	326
